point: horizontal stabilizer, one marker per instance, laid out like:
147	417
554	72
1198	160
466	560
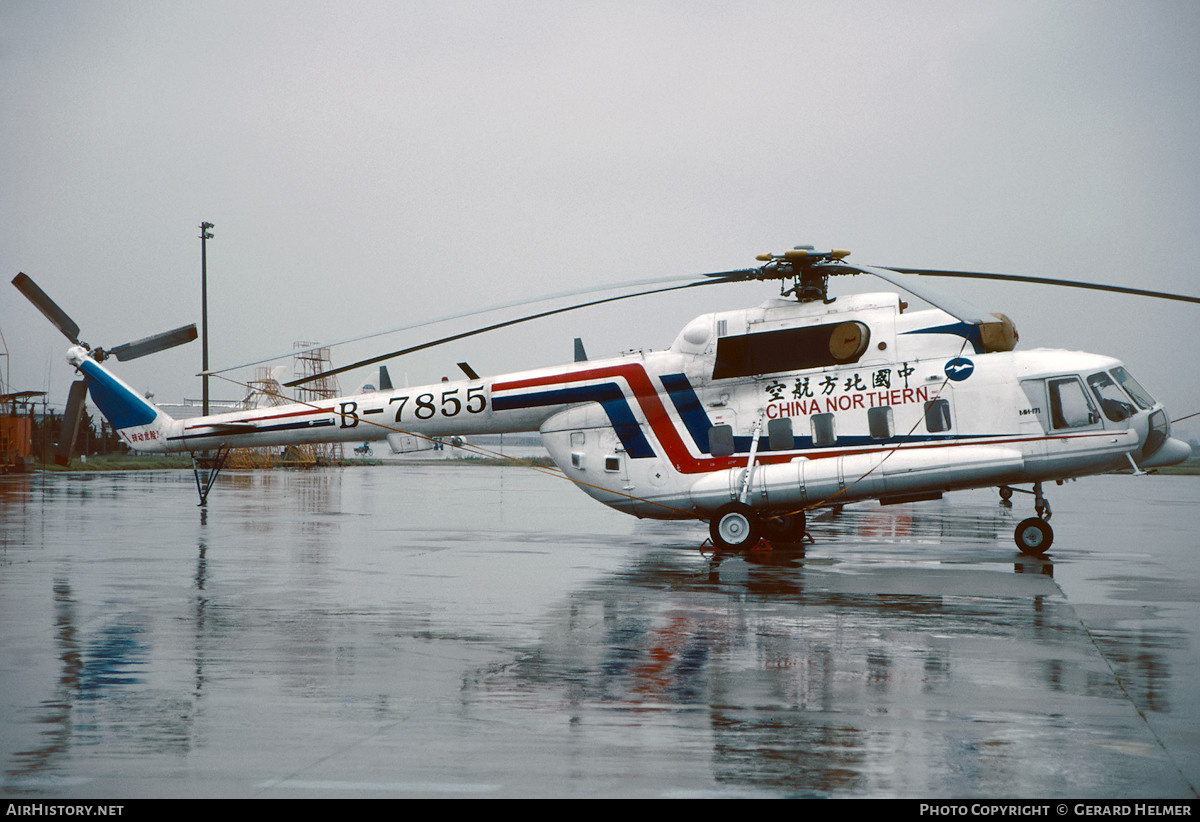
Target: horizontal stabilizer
225	427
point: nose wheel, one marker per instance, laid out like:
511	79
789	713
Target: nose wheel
1034	535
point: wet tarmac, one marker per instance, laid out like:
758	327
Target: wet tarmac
473	631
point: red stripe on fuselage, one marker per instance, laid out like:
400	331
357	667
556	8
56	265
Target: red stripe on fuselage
650	401
265	417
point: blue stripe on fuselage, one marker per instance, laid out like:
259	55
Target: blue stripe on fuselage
608	395
691	411
967	331
696	421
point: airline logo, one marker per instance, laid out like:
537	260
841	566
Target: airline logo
959	368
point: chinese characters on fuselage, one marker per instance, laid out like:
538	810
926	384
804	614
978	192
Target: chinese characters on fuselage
828	392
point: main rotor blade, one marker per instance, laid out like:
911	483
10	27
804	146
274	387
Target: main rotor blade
727	276
156	342
72	416
1019	278
952	305
47	306
495	326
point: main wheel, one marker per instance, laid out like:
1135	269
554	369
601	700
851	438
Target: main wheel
786	530
734	527
1034	536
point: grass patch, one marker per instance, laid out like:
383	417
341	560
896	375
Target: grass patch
124	462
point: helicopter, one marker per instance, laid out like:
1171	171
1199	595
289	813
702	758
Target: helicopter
750	419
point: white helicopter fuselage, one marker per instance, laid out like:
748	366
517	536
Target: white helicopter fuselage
781	407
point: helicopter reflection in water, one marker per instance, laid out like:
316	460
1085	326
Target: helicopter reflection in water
805	687
864	664
816	673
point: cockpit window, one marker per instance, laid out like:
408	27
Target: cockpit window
1139	394
1113	402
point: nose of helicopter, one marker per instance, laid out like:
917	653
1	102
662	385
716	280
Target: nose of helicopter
1171	452
1158	446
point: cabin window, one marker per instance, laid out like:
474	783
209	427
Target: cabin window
1113	402
824	431
779	434
790	349
937	416
879	422
612	464
720	440
1069	404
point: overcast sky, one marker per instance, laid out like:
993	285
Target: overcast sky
371	164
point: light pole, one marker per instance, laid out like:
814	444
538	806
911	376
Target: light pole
205	236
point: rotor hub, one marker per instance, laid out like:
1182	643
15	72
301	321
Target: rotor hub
807	268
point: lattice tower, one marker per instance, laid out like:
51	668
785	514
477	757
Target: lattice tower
313	361
265	392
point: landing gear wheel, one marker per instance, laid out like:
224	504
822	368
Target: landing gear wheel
1034	536
735	527
787	530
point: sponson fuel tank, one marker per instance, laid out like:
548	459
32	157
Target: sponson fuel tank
836	479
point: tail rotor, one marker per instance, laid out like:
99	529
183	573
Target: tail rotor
72	417
48	307
76	399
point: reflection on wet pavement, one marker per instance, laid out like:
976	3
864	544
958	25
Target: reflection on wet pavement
479	631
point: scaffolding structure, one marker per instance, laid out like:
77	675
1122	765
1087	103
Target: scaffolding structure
266	392
311	362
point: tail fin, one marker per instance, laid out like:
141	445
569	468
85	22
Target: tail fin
139	422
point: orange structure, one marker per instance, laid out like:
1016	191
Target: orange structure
16	433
